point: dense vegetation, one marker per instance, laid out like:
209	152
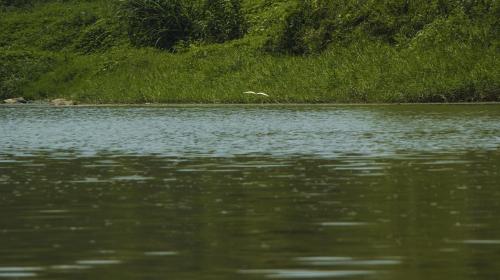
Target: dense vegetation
132	51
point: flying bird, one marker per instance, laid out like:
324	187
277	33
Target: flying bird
257	93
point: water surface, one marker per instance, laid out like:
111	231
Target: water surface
292	192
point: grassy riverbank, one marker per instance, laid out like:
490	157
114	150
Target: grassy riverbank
83	50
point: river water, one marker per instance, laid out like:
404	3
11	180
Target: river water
250	192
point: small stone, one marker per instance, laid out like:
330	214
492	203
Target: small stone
62	102
16	100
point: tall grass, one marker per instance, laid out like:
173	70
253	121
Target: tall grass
366	72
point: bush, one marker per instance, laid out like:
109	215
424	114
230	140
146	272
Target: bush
165	23
18	68
313	24
15	3
157	23
223	20
100	36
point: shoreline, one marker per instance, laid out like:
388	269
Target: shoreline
159	105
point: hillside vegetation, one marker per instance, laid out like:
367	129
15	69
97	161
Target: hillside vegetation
211	51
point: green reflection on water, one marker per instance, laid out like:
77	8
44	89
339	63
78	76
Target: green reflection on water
425	216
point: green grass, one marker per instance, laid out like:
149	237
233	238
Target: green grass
92	61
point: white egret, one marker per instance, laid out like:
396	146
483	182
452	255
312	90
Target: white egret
257	93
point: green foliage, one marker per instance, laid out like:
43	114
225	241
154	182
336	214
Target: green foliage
82	26
314	24
165	23
52	27
15	3
158	23
102	51
19	68
223	20
101	36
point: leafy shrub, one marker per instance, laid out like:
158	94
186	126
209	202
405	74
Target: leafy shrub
158	23
165	23
100	36
223	20
17	68
313	24
15	3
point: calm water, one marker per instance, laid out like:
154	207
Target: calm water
375	192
